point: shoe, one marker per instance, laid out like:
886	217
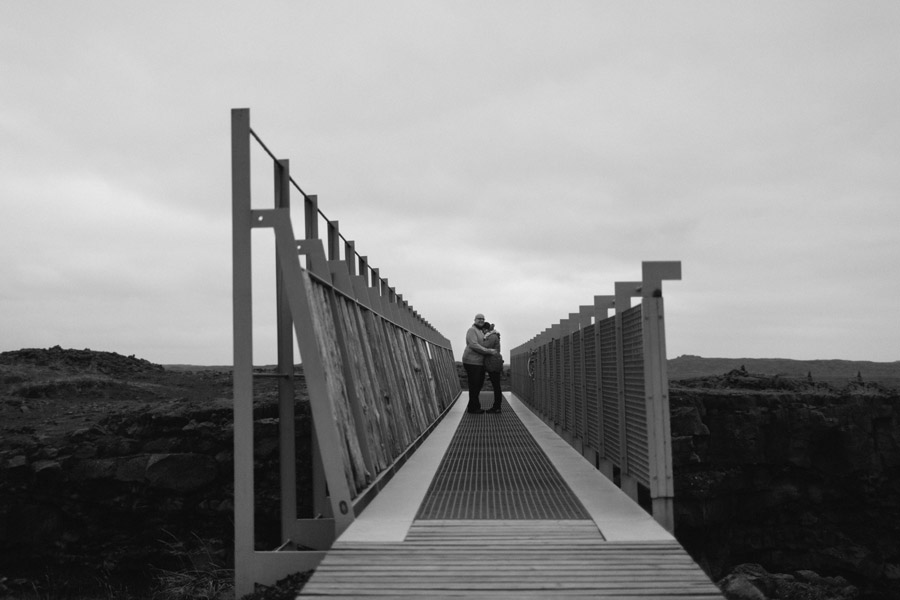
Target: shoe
475	412
493	411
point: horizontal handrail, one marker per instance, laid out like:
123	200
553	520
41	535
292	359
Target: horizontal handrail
373	274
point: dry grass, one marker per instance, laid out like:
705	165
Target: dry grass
211	583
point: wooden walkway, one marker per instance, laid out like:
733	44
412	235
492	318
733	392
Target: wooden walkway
498	506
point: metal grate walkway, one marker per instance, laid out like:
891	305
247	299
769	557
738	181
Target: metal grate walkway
494	469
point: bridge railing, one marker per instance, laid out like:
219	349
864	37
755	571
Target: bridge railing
379	376
601	382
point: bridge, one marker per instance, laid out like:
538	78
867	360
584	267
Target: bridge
566	493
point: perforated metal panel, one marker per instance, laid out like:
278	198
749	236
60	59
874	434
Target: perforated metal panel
591	395
609	386
545	379
548	380
577	385
635	399
540	377
555	391
494	469
527	376
566	376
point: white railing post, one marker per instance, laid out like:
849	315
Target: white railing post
242	326
285	341
656	387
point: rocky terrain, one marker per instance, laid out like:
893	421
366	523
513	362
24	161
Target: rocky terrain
797	476
834	372
115	480
115	472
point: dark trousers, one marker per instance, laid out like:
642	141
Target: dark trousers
475	377
498	395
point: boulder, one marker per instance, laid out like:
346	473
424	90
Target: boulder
739	586
181	472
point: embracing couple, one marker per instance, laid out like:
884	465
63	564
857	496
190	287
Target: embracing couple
482	356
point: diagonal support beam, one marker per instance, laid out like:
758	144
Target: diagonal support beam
321	402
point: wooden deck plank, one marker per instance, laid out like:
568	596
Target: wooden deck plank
543	593
516	595
484	567
509	577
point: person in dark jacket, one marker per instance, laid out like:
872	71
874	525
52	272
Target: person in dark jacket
493	364
473	362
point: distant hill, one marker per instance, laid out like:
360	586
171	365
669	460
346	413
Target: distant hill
832	371
689	366
182	368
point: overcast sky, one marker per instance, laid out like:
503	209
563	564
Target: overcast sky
511	158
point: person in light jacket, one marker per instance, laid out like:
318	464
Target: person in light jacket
493	364
473	363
